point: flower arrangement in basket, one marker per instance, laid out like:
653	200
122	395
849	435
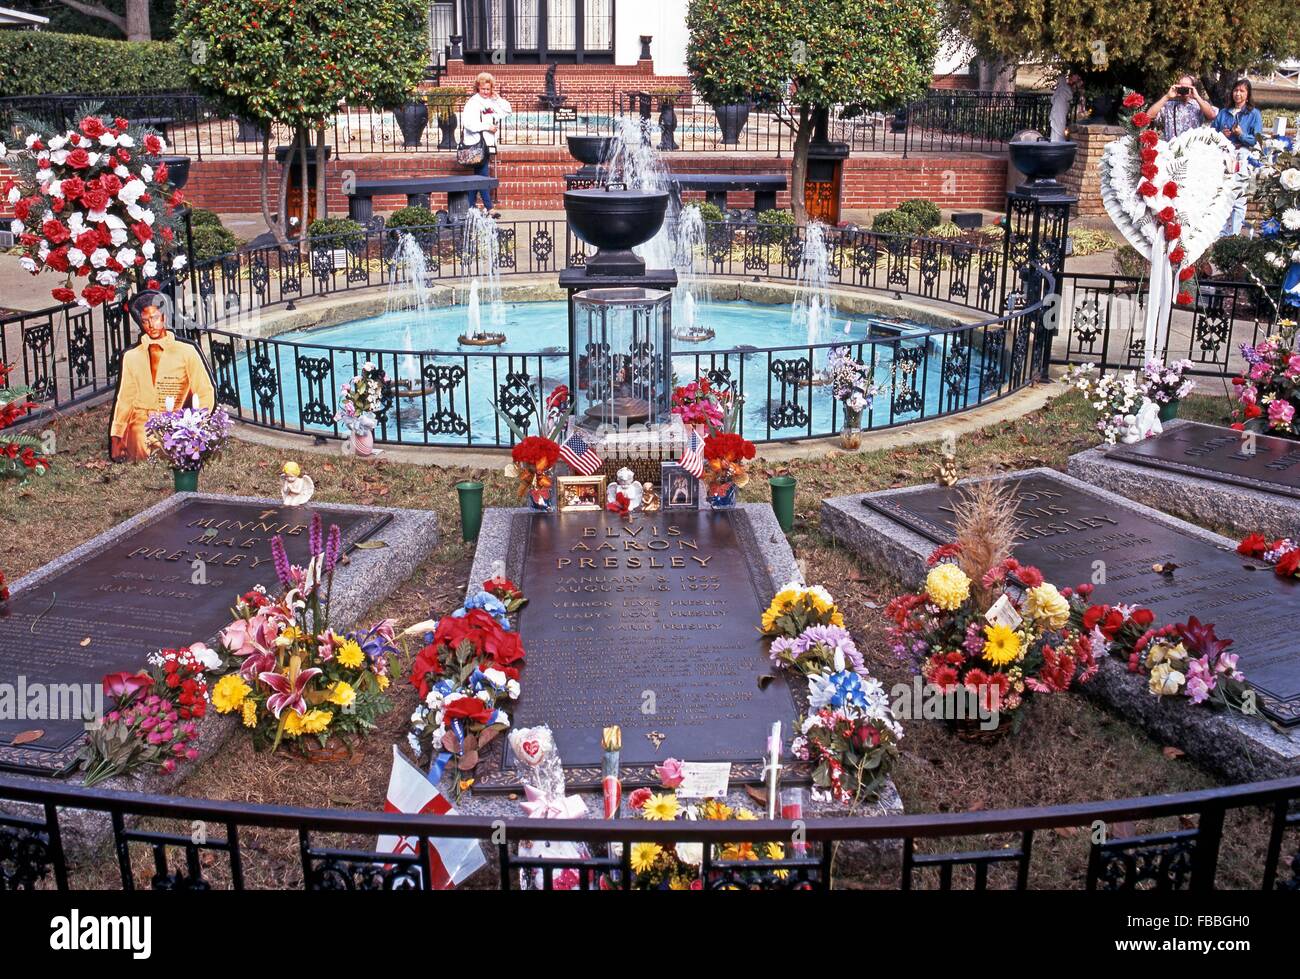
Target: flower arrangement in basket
725	455
465	675
1267	393
534	457
188	438
154	721
701	404
850	734
664	866
93	203
987	631
290	675
1184	659
20	455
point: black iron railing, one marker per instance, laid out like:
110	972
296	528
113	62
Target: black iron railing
197	126
1168	842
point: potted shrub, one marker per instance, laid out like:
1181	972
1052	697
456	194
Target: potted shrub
442	105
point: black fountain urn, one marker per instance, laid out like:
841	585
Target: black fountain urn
615	222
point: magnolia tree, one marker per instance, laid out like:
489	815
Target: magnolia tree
876	53
294	63
1141	45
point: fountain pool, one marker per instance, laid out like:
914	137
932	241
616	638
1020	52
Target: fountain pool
446	393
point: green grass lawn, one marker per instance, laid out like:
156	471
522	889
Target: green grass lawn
1069	749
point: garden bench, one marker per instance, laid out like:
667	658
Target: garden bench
417	191
716	186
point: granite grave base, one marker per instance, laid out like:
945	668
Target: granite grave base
1194	491
370	575
1239	748
772	565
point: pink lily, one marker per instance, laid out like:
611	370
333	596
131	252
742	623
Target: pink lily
290	691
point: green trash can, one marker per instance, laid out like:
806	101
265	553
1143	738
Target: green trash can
783	500
471	508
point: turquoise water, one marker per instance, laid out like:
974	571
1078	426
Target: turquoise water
462	381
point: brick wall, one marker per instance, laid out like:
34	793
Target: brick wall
1084	177
523	83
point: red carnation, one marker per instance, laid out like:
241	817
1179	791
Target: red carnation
1148	155
1253	411
1149	170
79	159
1253	545
92	127
142	231
94	199
109	184
1141	119
88	241
63	294
1171	189
73	187
1172	230
55	232
1167	214
1177	255
1184	299
22	209
1147	189
1134	101
1148	138
1288	564
160	174
152	145
120	123
1186	274
58	259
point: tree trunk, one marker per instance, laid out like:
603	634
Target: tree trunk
263	175
304	139
996	74
282	212
799	166
322	200
138	27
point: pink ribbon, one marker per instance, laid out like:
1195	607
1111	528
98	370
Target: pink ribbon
536	805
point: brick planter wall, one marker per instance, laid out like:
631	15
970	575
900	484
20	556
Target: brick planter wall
1084	177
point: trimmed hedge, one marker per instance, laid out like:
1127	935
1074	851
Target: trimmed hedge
41	63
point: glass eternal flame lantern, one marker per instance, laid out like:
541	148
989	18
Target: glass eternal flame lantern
623	344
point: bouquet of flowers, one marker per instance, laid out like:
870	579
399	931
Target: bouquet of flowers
725	454
551	413
700	403
657	866
19	454
189	438
155	717
1283	554
1113	396
291	675
850	734
1267	394
850	382
466	673
1277	186
987	630
92	202
1181	659
1166	383
534	457
363	395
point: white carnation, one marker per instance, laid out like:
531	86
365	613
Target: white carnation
131	191
76	257
178	262
106	278
59	157
121	171
1291	218
27	263
16	227
126	256
1290	179
99	257
146	173
147	249
43	177
150	269
15	195
117	236
107	139
125	140
57	143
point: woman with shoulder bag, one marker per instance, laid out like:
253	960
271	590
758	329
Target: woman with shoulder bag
482	116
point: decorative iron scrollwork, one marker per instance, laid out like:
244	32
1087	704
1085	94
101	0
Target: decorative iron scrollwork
222	353
543	246
906	375
1165	865
336	874
315	371
264	377
787	412
515	399
442	380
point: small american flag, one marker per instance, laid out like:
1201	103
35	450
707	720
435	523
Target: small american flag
693	458
579	454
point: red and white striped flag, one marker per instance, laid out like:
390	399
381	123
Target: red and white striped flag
579	454
453	860
693	458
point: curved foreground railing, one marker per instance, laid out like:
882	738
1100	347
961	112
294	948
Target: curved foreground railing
33	854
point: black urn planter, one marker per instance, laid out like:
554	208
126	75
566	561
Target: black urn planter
667	125
411	120
732	119
178	170
1042	161
250	130
615	222
447	129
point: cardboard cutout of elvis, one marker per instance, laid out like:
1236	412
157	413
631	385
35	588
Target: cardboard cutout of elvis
157	368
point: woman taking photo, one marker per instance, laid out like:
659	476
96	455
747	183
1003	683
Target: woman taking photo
479	121
1241	123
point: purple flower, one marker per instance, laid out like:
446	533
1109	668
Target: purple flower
314	535
281	559
333	547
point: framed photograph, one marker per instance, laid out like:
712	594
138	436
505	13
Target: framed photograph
580	493
679	490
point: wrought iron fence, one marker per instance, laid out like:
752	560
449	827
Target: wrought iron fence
1178	847
70	355
1102	321
198	126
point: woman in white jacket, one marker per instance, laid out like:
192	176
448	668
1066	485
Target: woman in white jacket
483	114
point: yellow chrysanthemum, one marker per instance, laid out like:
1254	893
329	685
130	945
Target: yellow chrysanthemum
786	597
1001	645
289	635
313	722
745	816
713	809
341	693
383	682
229	693
1048	606
349	654
250	713
661	807
947	586
644	856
